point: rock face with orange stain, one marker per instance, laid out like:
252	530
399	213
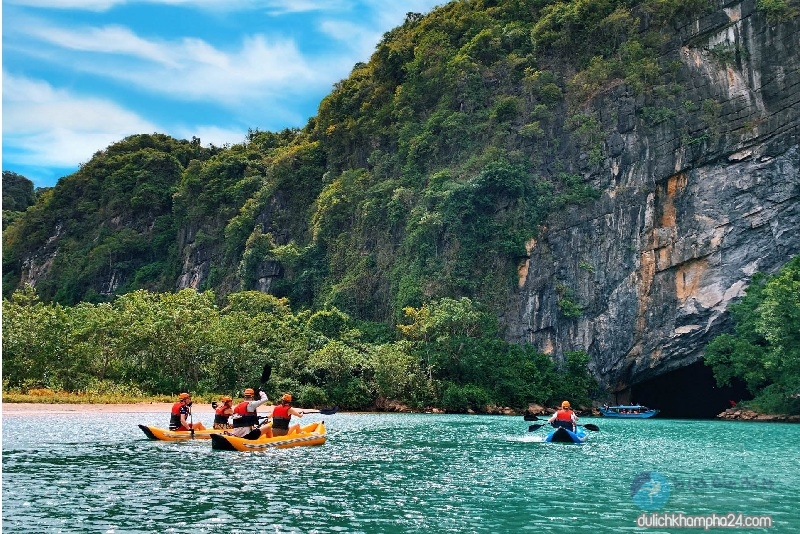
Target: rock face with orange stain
691	207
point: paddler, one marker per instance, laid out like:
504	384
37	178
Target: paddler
564	417
282	414
181	415
222	413
245	417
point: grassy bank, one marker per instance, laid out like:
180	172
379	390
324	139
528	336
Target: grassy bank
47	396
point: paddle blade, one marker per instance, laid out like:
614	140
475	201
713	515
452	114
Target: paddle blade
593	428
266	373
530	417
534	427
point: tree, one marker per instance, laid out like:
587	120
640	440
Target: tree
35	341
18	192
396	370
764	348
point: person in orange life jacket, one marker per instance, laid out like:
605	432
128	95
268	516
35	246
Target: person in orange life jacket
180	416
223	413
282	414
245	417
564	417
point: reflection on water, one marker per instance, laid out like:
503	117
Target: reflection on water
388	473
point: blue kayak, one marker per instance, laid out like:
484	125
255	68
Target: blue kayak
562	435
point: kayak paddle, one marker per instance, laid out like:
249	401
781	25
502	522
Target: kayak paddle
265	374
191	420
590	426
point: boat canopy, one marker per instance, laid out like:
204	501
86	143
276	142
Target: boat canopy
628	410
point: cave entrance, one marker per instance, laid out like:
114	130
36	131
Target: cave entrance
688	393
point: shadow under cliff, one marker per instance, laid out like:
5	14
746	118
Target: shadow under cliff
688	393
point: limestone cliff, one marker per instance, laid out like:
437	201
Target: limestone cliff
691	207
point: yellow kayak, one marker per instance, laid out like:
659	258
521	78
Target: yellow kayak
153	432
312	434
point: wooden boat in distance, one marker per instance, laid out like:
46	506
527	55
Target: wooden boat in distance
629	411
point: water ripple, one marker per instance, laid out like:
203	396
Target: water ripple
387	473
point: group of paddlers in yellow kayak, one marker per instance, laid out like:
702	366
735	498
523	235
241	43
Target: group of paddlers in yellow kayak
242	420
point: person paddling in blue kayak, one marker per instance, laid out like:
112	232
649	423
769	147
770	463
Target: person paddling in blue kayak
282	414
245	417
181	415
564	417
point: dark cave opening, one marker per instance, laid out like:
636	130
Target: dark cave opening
688	393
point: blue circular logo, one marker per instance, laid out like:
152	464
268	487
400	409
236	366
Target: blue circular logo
650	490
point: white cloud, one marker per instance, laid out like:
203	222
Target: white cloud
186	68
106	40
283	7
258	69
46	126
360	37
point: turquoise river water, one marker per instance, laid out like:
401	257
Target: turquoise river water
415	473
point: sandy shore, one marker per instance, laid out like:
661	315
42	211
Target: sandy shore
28	408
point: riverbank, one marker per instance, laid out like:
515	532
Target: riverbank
35	408
743	414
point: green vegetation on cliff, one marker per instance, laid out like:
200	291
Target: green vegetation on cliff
764	349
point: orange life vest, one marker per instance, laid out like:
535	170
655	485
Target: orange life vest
175	417
280	416
564	415
245	418
220	417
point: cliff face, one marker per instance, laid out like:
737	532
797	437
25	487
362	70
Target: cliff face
691	207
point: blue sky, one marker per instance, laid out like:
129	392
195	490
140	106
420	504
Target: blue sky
79	75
